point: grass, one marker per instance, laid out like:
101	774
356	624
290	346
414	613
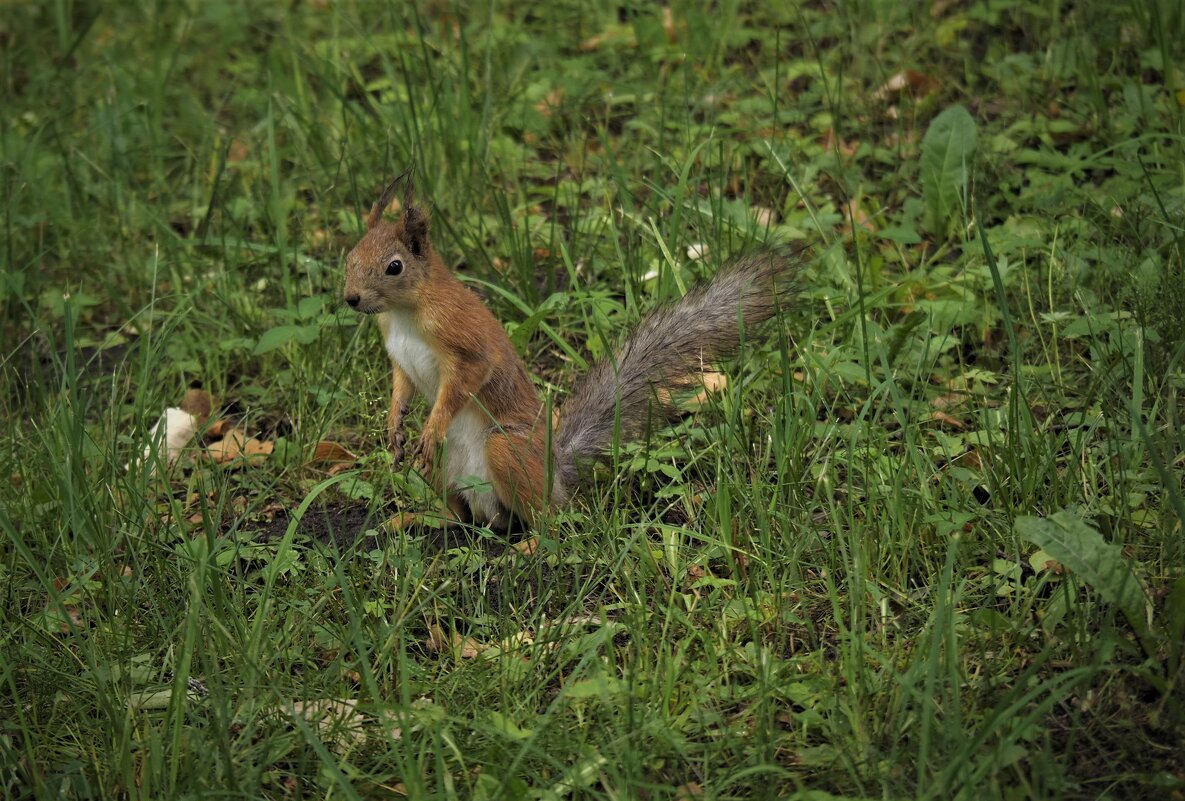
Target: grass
926	543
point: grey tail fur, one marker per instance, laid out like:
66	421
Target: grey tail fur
669	350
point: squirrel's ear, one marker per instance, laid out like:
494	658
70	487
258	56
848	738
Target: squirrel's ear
415	230
376	211
380	205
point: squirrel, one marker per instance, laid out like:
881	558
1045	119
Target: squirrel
444	343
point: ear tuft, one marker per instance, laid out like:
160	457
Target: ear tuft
415	230
376	211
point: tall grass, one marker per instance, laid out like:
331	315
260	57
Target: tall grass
812	583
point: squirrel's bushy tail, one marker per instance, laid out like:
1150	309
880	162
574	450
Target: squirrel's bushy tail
669	350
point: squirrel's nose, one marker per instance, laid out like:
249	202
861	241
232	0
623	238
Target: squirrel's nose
353	299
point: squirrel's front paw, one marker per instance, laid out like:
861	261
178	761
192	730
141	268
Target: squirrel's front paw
424	455
396	439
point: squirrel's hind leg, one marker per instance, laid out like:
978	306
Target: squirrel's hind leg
518	472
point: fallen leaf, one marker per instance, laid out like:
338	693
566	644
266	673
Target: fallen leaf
846	149
236	444
619	34
238	151
857	217
258	448
527	547
946	419
689	791
669	27
469	647
970	460
336	720
949	400
919	85
327	451
218	428
438	643
713	383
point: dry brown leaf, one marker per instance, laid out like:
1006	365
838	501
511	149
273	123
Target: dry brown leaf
969	460
919	85
617	34
218	428
669	27
238	151
236	444
328	451
527	547
438	643
227	448
846	149
949	400
336	720
713	383
258	448
946	419
550	102
857	217
689	791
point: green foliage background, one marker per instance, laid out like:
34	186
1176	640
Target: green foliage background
926	544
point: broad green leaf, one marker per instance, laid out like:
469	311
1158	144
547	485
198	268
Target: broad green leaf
1101	564
597	687
310	307
281	335
509	727
947	149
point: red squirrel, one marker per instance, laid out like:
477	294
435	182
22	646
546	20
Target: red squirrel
486	413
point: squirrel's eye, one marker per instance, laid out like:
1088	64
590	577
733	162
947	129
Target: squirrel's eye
395	267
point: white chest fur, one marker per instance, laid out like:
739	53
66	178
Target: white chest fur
465	445
407	347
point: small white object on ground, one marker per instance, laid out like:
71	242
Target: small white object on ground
180	427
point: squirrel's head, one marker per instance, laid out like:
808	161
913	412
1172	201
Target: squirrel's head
388	267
